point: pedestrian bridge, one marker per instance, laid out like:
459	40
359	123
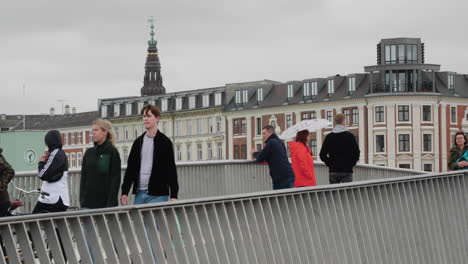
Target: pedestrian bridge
385	216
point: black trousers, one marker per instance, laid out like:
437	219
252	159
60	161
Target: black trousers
339	177
49	208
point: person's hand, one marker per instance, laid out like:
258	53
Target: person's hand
43	158
462	164
252	151
123	200
173	199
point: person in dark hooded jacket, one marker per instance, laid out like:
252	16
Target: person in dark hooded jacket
53	171
274	153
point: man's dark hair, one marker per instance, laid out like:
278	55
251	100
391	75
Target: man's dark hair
269	128
151	108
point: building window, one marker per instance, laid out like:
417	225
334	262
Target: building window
236	151
192	102
164	127
427	167
243	151
329	115
73	160
140	106
79	157
80	137
218	98
331	86
90	137
313	115
199	152
258	147
178	103
450	82
260	94
178	127
313	88
427	115
117	134
65	139
351	84
403	143
199	126
427	142
258	123
188	126
189	150
128	109
236	127
125	155
347	114
104	111
403	113
218	124
245	96
243	126
68	158
290	90
379	143
305	116
164	105
355	116
72	140
306	89
401	53
411	53
210	151
238	97
390	54
288	121
209	122
206	100
179	152
379	114
313	146
453	115
116	109
220	150
404	166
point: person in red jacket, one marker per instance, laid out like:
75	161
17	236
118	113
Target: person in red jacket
302	161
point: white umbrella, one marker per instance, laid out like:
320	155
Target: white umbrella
311	125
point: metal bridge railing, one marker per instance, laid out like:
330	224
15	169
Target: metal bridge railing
417	219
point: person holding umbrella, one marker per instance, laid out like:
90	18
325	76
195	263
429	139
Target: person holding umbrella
302	161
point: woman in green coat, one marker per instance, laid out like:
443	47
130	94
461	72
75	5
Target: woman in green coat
459	147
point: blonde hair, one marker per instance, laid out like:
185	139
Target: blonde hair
106	126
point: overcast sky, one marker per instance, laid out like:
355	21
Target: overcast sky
81	51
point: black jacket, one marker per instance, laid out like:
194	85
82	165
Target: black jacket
274	153
163	179
52	169
100	176
340	151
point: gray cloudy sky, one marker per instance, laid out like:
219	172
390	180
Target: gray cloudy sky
85	50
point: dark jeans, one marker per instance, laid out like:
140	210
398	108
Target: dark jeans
289	183
339	177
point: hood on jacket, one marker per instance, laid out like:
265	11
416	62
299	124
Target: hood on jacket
339	129
53	140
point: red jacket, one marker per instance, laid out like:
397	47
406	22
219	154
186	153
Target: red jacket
302	164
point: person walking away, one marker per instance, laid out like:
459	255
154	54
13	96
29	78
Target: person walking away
274	153
340	152
6	174
101	169
302	161
53	171
151	167
458	149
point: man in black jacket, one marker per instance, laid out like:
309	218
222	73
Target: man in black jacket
340	152
151	167
274	153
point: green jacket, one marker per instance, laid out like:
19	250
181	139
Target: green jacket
455	153
100	177
6	172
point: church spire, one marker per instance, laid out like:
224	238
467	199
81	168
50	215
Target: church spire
152	83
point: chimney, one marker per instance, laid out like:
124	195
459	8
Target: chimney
52	111
67	109
73	110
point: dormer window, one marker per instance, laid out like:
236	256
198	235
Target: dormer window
260	94
351	85
178	103
238	97
245	96
140	106
331	86
128	109
164	104
104	111
218	97
206	100
192	102
450	81
390	54
116	109
290	91
306	89
313	88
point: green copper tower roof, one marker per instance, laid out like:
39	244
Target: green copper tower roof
152	41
